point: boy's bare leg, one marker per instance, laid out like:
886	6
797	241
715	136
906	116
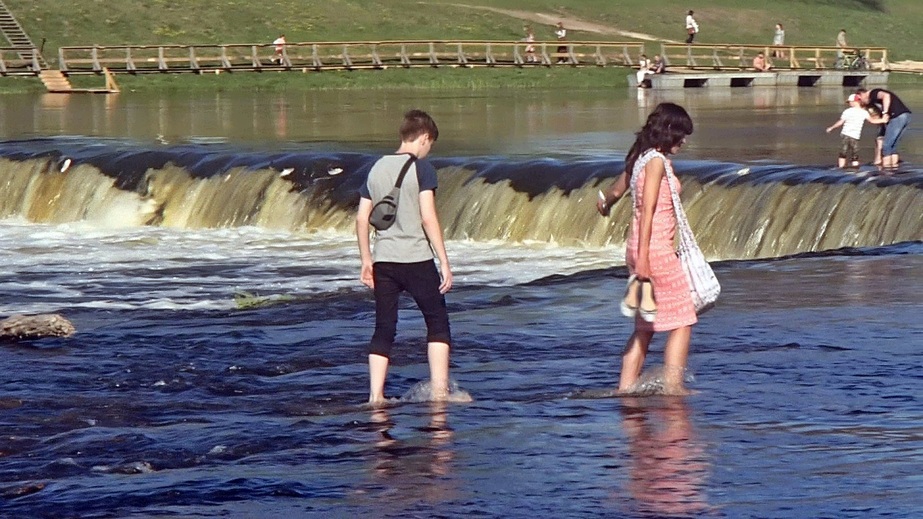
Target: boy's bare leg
378	370
633	358
675	355
438	354
841	162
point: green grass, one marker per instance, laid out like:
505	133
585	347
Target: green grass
889	23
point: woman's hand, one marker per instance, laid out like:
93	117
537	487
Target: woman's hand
643	267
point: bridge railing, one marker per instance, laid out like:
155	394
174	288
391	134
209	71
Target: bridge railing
736	57
340	55
19	61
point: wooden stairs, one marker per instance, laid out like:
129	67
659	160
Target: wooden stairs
18	37
57	83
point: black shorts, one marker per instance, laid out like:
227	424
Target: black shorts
421	280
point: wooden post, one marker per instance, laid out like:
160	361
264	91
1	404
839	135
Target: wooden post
95	56
255	58
225	62
111	85
348	63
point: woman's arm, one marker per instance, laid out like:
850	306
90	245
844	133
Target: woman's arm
612	194
434	233
653	175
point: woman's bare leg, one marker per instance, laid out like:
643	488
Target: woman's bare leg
675	355
633	358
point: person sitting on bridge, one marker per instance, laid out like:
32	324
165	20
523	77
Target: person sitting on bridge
760	64
658	67
644	68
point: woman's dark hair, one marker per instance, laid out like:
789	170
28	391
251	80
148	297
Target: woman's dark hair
665	128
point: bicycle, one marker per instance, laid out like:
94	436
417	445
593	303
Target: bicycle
853	61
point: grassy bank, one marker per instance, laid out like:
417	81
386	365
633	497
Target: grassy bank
889	23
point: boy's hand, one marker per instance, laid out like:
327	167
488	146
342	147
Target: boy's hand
446	284
365	275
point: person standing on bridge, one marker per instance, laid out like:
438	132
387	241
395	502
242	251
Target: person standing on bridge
841	48
279	46
778	40
692	28
561	34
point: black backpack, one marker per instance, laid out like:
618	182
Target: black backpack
385	211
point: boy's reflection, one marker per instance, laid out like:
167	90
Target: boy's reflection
667	464
417	468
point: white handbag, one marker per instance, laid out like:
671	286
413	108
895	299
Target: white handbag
703	284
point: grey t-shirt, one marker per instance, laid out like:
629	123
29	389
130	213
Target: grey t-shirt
405	241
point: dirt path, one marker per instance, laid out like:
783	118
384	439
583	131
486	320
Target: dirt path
570	23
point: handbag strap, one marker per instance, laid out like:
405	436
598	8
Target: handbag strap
686	237
400	177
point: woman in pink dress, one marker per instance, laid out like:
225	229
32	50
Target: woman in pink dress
650	253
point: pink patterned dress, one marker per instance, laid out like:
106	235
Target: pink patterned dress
671	289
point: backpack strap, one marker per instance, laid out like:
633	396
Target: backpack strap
400	178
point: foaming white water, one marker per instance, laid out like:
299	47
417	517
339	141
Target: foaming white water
53	266
422	392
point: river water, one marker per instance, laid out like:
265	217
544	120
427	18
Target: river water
219	365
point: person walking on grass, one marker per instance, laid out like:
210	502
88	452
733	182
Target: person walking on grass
400	258
692	28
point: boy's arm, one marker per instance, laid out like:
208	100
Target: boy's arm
434	233
365	249
835	125
875	119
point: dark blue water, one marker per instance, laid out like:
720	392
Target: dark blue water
173	400
808	405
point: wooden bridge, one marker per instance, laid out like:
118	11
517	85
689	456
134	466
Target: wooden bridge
317	56
305	57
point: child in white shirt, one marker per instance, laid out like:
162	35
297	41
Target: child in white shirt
852	120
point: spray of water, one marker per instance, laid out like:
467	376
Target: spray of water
423	392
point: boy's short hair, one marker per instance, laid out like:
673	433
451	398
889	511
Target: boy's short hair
417	123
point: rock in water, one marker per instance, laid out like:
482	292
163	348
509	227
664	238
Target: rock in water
19	327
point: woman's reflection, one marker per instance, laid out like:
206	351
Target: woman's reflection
667	464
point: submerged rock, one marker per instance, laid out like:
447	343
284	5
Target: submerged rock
24	327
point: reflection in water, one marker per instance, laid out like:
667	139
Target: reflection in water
414	470
741	124
668	467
